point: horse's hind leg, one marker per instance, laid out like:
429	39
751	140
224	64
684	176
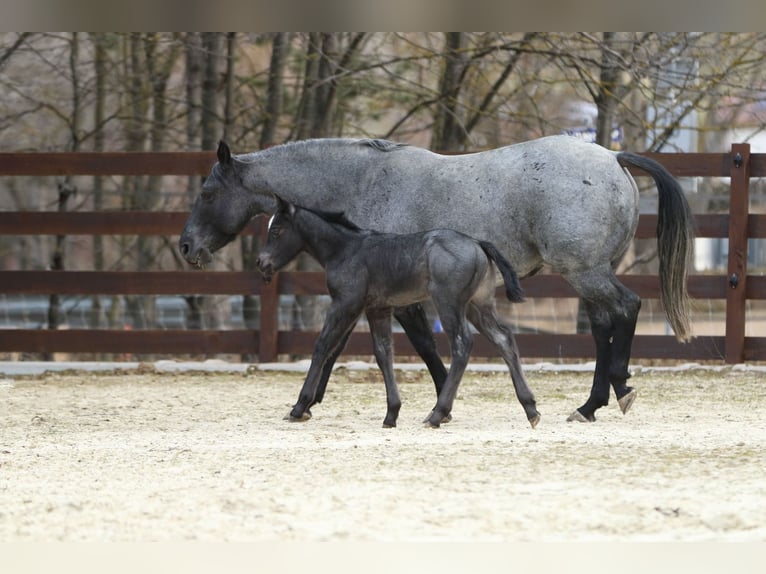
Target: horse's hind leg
415	324
622	341
380	329
484	318
613	312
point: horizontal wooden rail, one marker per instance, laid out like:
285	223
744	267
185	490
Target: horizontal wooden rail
99	223
301	343
106	163
130	282
139	342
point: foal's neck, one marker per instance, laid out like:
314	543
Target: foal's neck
325	240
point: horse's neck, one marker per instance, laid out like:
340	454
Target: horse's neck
323	240
314	174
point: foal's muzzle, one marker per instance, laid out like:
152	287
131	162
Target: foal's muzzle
266	267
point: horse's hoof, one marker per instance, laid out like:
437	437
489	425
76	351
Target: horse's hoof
578	417
445	419
433	421
627	401
300	419
389	425
534	420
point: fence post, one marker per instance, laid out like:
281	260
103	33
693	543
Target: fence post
268	337
739	204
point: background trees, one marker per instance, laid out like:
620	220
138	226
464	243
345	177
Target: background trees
456	91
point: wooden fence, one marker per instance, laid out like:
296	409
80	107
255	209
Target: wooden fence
736	287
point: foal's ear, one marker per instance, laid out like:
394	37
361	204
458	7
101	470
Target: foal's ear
224	153
284	206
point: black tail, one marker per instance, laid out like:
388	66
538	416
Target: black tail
675	242
513	289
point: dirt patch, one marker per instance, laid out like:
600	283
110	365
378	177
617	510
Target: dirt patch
148	456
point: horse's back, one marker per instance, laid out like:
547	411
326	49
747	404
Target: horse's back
556	199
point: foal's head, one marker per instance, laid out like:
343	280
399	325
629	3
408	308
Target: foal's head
283	243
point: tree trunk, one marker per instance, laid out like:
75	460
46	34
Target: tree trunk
250	245
66	188
447	125
211	126
228	101
275	89
99	70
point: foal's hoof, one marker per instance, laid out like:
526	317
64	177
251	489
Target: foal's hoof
627	401
534	420
298	419
578	417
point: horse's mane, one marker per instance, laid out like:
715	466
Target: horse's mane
334	217
381	145
376	144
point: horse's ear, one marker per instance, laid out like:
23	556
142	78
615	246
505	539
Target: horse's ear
224	153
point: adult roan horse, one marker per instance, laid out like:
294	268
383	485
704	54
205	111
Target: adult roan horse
554	200
374	272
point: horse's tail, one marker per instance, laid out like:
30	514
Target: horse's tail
675	242
513	289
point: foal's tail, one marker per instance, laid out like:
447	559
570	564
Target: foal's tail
512	287
675	242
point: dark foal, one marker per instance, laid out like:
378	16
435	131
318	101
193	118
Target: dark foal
375	272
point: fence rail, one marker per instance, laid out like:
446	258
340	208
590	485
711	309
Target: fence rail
268	342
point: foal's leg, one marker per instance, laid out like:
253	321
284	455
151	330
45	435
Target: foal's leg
327	370
484	317
415	324
341	318
380	329
461	342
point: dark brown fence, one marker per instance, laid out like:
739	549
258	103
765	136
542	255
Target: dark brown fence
735	288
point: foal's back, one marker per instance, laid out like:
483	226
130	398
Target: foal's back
405	269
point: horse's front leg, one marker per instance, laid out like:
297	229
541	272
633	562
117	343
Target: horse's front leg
341	318
380	329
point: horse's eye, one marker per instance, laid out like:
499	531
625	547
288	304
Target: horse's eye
207	195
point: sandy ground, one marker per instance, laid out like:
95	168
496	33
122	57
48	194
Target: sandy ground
148	456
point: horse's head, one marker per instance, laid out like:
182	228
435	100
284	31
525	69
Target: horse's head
284	241
220	212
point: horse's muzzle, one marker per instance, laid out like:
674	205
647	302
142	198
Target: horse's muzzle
199	257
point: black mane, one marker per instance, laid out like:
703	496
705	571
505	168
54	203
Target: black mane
381	144
335	217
